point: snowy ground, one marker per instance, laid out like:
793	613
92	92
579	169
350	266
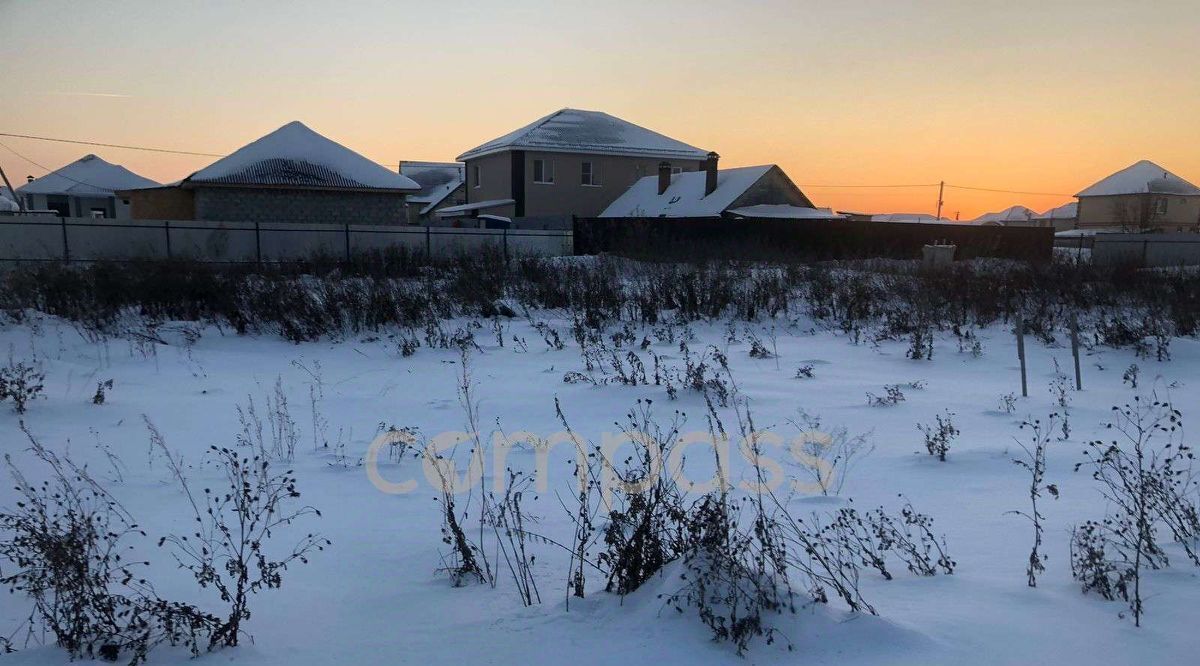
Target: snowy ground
376	596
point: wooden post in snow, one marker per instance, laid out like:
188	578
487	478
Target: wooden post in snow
1021	355
1075	352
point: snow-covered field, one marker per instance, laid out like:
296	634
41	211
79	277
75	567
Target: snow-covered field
376	596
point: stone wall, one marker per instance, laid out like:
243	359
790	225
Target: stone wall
235	204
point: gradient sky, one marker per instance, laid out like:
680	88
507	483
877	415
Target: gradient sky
1042	96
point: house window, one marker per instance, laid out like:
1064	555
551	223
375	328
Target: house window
98	213
588	175
475	175
1160	206
675	171
543	172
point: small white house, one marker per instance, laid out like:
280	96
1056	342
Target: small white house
84	188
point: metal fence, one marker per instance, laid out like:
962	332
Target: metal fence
86	239
1147	250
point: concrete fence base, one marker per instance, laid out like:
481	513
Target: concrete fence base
86	239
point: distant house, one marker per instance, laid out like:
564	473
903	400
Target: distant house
86	187
1143	196
443	184
905	218
1016	216
713	192
290	175
1061	218
570	162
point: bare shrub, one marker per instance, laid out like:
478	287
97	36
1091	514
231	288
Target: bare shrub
21	382
232	549
68	539
828	455
1144	474
1034	462
939	435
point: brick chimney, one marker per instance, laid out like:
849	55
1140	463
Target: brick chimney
664	176
710	173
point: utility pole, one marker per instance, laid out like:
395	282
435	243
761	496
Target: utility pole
20	205
941	191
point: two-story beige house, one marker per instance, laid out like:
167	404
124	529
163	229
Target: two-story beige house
570	162
1144	196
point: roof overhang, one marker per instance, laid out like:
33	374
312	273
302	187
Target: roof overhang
583	150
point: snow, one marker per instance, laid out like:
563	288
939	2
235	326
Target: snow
593	132
685	195
787	211
294	149
85	177
8	205
1067	211
1013	214
451	211
1145	177
912	218
437	180
376	595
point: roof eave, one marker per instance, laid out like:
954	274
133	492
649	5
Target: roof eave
476	154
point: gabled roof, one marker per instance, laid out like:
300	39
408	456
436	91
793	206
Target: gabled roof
1145	177
685	196
438	180
911	218
296	156
1063	212
575	131
87	176
1013	214
786	211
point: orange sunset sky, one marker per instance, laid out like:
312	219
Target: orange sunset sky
1045	96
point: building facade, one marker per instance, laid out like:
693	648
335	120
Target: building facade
571	162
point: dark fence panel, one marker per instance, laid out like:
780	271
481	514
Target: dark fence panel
775	239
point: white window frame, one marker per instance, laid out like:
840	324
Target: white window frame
587	174
544	164
478	173
675	171
1160	206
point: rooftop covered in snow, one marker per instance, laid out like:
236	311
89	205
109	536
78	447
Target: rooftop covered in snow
787	212
295	156
1012	214
912	218
89	176
1063	212
1145	177
575	131
438	180
684	197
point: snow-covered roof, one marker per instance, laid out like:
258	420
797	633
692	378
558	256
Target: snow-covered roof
575	131
1013	214
1063	212
911	218
438	180
787	211
1145	177
89	176
8	205
685	195
294	155
451	211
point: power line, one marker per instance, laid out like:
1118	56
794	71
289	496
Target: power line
123	147
49	171
110	145
861	186
987	189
